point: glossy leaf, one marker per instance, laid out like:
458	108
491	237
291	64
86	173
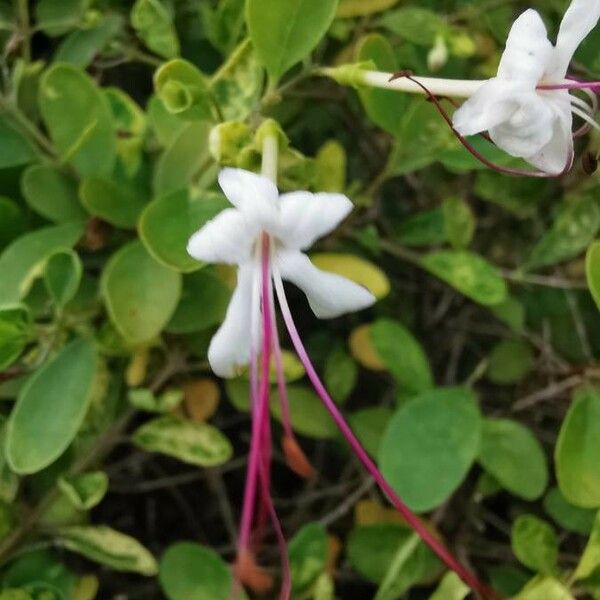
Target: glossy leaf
577	453
62	276
115	202
468	273
590	559
451	588
544	588
52	194
23	261
514	457
284	33
15	149
86	139
429	446
140	294
194	443
108	547
568	516
59	394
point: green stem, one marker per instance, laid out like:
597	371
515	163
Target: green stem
23	11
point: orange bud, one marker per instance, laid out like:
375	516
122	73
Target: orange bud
296	459
250	574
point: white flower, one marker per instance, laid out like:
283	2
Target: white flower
293	223
521	118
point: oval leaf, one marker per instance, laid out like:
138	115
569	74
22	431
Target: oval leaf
286	31
577	453
592	269
514	457
430	445
469	273
140	294
194	443
51	408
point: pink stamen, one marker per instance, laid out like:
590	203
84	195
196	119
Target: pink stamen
471	149
426	535
571	85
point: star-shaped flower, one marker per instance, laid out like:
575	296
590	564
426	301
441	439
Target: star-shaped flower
527	108
293	222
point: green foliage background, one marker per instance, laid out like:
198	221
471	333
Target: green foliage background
473	381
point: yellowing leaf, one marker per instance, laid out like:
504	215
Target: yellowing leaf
363	350
201	399
357	269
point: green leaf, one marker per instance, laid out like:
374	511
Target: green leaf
15	332
52	194
330	164
514	457
140	294
369	425
166	126
118	203
371	550
183	89
184	160
423	229
358	8
190	442
308	415
417	25
203	304
23	261
544	588
144	399
308	556
590	559
468	273
571	233
384	107
189	571
50	408
12	221
15	149
341	374
86	490
108	547
592	270
509	362
62	276
402	354
286	31
237	86
57	17
568	516
86	139
168	222
459	222
451	588
80	47
577	452
535	544
429	446
153	22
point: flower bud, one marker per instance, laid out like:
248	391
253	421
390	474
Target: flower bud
438	55
227	140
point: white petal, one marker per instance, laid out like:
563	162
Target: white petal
528	53
329	295
305	217
581	17
228	238
256	196
494	102
230	346
557	154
